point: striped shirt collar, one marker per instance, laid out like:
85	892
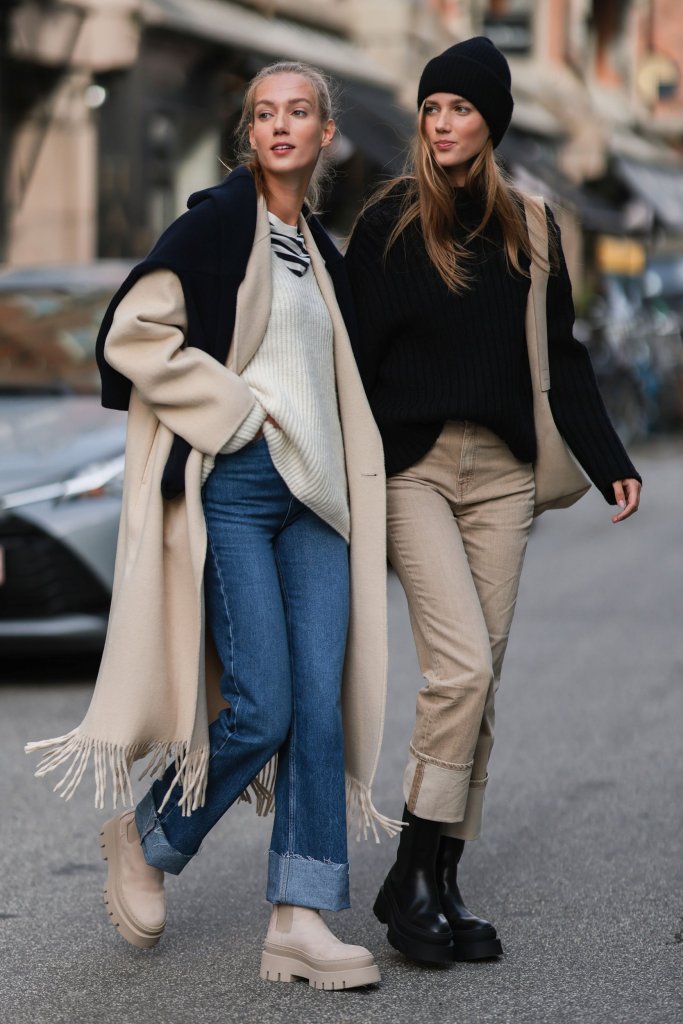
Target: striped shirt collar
288	244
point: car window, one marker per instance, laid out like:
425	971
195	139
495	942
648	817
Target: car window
47	339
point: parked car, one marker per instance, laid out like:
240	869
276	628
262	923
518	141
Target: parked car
61	459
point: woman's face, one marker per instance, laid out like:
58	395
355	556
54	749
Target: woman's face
287	132
455	131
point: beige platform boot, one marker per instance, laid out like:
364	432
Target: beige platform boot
134	893
300	945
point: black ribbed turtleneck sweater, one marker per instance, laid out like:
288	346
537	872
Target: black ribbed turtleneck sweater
427	355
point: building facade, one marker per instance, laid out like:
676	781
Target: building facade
113	111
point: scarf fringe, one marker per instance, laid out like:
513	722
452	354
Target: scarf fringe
110	759
191	768
361	811
263	788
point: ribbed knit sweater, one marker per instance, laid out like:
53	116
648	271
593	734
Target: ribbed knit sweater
427	355
292	377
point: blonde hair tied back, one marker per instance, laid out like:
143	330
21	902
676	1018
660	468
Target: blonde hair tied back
324	94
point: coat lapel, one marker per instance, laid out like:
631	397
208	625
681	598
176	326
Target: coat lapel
254	296
326	286
255	293
334	264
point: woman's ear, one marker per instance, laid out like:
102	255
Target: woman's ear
329	132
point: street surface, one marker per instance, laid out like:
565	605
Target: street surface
580	865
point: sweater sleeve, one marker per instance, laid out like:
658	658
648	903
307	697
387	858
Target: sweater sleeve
575	400
364	261
191	393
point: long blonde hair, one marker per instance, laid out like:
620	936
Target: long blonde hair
428	198
322	88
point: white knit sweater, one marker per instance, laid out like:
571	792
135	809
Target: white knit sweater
293	380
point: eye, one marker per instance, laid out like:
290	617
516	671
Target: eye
462	109
263	115
431	109
300	112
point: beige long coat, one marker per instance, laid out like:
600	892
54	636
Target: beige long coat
150	700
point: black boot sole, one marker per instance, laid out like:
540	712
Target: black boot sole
414	949
484	950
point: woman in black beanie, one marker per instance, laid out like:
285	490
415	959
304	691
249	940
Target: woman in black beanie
441	262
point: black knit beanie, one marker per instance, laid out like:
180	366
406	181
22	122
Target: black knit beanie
476	70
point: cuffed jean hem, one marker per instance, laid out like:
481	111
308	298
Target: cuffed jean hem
470	826
305	882
156	848
435	790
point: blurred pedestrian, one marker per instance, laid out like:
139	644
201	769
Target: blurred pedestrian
250	478
449	266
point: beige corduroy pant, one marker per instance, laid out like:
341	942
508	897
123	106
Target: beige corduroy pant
458	523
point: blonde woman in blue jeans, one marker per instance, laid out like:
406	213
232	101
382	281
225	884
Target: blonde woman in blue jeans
285	449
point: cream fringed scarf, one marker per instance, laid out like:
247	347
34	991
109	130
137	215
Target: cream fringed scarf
191	772
150	700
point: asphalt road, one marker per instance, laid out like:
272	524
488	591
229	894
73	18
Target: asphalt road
580	865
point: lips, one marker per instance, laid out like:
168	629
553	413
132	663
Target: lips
281	147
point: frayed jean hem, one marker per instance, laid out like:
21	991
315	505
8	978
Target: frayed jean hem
305	882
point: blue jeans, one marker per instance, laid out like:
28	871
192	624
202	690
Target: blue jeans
276	594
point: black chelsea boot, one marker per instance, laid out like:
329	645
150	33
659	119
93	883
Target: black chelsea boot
473	937
408	901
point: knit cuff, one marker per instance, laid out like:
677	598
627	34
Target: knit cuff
208	462
247	430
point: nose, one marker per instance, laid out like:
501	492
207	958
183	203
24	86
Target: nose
279	121
442	122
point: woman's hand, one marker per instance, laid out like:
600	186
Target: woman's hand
627	493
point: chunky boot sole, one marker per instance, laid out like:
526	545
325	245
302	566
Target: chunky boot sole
124	922
287	964
406	943
485	949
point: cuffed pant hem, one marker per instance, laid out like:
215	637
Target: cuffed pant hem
156	848
434	790
470	827
305	882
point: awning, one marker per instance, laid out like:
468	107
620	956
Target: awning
373	121
660	187
272	38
